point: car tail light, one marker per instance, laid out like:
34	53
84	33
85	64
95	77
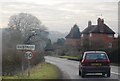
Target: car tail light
84	62
88	62
106	62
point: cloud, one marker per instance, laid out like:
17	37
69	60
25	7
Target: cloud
62	14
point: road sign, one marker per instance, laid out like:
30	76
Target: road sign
25	47
28	55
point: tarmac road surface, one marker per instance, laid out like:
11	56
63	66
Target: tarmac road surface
70	70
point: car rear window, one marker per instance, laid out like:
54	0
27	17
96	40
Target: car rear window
96	56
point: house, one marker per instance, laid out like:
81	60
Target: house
73	38
99	35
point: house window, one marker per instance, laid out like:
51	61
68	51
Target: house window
110	45
82	35
110	35
90	34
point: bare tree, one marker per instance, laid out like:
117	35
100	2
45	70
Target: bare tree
22	28
30	27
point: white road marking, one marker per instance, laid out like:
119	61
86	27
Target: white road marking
115	73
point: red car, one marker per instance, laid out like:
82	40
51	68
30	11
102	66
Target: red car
94	62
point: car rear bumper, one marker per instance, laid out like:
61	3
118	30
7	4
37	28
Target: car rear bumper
96	69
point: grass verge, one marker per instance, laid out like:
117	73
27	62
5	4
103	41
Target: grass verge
40	71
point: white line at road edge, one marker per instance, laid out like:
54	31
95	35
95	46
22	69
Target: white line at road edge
115	73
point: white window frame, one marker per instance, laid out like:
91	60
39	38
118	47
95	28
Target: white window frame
90	34
82	35
110	36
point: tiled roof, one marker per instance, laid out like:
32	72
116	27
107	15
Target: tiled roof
86	30
99	28
74	33
106	30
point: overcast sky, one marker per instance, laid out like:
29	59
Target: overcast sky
61	15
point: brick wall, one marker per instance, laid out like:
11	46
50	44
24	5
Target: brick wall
103	39
99	39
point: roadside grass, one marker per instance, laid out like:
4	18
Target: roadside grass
40	71
71	57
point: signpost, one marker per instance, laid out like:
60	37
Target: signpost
28	55
25	47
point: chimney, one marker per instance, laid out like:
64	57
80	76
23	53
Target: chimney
89	23
100	23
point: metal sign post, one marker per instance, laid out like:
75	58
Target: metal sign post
28	55
28	68
22	66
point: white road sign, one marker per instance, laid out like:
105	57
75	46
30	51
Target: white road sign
28	55
25	47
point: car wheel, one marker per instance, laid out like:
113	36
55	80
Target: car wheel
79	73
82	74
103	74
108	74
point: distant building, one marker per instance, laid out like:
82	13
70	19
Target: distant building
100	35
73	38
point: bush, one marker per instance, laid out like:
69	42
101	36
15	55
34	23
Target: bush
10	62
38	57
11	59
114	56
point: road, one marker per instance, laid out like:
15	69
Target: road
70	69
